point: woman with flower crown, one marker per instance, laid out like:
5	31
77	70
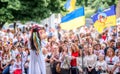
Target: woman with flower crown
37	62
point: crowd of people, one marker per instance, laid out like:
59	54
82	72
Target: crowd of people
80	51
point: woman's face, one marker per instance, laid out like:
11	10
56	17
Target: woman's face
110	52
98	47
90	50
42	36
5	39
50	39
82	41
55	48
10	40
65	48
20	49
53	38
85	47
18	58
27	51
90	41
12	62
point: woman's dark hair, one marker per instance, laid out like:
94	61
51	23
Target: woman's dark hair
31	38
27	49
49	39
60	49
52	43
20	29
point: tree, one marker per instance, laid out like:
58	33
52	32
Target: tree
27	10
6	8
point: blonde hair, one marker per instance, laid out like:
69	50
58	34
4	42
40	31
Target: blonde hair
110	50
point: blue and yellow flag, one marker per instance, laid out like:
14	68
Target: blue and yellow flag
73	20
104	19
70	5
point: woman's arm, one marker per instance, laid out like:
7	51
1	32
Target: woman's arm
96	67
3	67
62	57
94	61
46	59
57	60
105	66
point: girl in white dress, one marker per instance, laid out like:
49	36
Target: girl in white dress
11	69
37	61
17	67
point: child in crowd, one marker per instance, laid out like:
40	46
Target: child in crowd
103	46
101	65
18	65
12	66
97	48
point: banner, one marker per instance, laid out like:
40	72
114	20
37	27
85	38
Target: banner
104	19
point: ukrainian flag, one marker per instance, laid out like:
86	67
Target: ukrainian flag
70	5
105	19
73	20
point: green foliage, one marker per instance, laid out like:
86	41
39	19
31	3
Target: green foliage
6	9
28	10
36	10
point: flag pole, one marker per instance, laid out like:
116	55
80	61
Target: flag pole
78	36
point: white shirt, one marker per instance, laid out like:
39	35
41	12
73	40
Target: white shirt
0	55
111	61
90	60
65	61
80	62
10	35
12	69
17	65
103	65
118	68
14	53
43	43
